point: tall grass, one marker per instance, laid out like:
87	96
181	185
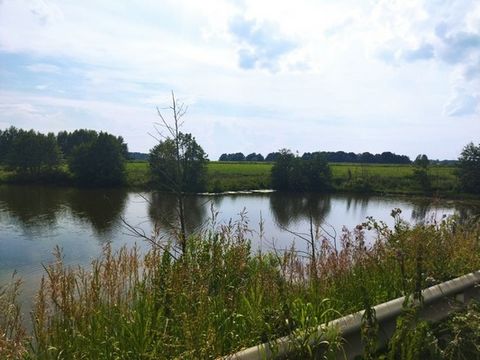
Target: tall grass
12	334
221	296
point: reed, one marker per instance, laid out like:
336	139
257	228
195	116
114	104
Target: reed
13	340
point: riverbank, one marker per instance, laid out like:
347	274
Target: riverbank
377	179
244	176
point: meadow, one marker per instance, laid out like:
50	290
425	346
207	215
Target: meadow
366	178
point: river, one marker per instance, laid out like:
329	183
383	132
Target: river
35	219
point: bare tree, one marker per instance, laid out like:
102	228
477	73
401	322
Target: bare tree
171	130
177	161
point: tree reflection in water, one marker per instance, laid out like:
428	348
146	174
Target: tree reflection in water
32	208
288	209
161	210
101	208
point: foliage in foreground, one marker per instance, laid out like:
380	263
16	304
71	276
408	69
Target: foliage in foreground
219	296
12	334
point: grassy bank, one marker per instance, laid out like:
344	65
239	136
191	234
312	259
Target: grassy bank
364	178
219	297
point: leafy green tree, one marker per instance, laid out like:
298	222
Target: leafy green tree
254	157
7	137
292	173
32	153
422	161
69	140
317	173
185	173
469	168
272	156
283	169
99	162
420	173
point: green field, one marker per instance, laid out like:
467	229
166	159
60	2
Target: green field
390	178
346	177
366	178
380	178
231	176
222	176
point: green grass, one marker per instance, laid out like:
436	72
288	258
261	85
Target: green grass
138	173
4	175
231	176
391	178
222	176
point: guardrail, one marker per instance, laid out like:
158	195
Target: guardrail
439	302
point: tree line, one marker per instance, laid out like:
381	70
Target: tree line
93	158
178	163
386	157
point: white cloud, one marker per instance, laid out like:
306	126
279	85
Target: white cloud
44	68
121	60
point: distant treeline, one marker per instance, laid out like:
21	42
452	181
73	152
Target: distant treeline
331	156
137	156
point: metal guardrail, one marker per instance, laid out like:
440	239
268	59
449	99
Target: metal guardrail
439	301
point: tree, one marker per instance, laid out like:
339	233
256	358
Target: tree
420	172
273	156
7	137
31	152
283	169
292	173
421	161
254	157
190	176
178	163
99	162
69	140
317	173
469	168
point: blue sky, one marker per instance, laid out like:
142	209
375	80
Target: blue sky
401	76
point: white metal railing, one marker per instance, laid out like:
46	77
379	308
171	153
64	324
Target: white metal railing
439	301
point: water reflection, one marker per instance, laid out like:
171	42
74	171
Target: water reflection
99	208
39	209
162	210
420	211
357	202
288	209
468	212
31	208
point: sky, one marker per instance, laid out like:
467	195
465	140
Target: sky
257	76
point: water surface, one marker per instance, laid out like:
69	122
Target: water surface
35	219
